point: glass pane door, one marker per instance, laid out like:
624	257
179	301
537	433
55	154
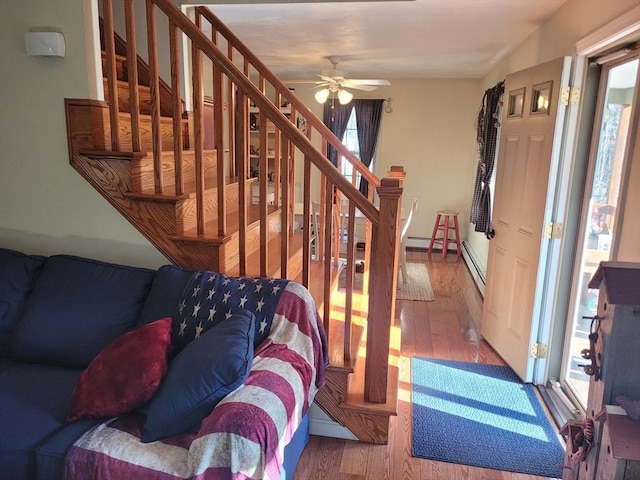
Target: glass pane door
599	225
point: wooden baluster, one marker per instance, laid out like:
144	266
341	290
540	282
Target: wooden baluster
231	120
242	157
176	90
286	217
306	224
323	218
262	180
198	123
367	247
290	181
132	74
154	83
348	305
111	74
383	292
328	260
218	138
278	157
242	150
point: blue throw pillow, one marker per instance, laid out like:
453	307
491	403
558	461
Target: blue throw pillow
203	373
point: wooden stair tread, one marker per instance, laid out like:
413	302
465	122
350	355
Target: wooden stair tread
273	259
170	191
120	58
144	98
109	154
233	225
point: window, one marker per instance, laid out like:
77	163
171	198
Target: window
350	140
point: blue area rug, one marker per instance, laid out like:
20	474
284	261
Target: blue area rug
481	415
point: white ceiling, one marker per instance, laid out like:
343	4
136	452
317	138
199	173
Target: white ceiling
384	39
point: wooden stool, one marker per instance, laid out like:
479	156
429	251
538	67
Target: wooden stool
443	220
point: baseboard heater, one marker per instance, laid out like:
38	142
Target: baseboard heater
474	267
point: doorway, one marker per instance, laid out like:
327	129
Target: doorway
616	106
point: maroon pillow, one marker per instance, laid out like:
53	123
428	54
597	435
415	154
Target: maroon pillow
125	374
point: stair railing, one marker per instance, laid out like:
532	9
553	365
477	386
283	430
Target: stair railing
235	87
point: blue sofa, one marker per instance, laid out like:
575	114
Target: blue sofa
56	314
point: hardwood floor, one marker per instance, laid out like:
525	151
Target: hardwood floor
446	328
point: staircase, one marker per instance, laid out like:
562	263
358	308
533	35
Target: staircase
178	168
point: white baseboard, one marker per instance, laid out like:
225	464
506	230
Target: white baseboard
474	266
418	242
320	424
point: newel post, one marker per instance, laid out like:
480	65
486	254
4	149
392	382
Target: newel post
382	295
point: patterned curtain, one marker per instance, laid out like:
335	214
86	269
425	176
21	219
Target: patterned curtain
336	117
368	116
487	127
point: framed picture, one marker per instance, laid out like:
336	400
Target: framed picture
302	124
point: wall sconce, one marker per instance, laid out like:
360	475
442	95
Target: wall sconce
45	44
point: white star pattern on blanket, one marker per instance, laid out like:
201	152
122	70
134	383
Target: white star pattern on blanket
200	308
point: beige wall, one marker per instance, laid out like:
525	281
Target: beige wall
45	206
557	37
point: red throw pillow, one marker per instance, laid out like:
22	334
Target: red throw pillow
125	374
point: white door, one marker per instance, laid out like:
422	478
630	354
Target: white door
527	163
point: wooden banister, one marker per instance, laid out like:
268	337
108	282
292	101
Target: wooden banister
382	300
313	121
234	88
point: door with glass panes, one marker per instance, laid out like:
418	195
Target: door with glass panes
617	110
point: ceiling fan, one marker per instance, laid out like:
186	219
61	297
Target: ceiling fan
334	82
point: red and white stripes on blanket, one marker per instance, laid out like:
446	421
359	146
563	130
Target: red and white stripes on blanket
245	434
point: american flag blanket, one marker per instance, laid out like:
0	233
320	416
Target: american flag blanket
245	434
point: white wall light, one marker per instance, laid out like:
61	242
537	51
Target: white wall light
344	97
45	44
321	96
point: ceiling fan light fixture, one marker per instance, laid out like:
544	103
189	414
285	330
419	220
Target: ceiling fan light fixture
344	96
321	96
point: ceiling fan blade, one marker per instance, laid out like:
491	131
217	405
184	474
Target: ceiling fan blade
366	88
316	82
326	78
360	81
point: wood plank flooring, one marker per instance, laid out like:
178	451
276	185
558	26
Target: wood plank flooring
447	328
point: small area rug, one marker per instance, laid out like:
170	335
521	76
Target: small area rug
418	286
481	415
